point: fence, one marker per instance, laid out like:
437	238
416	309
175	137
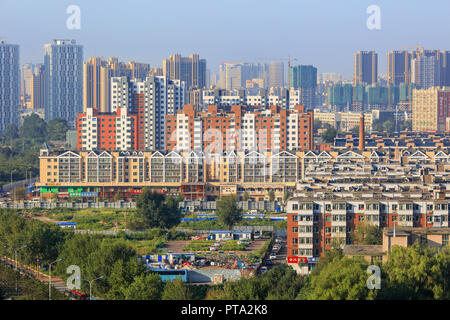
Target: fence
76	205
245	205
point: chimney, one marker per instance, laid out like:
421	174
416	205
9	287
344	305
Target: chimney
361	133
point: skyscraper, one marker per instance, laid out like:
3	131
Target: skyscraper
230	75
399	67
63	62
426	71
191	70
151	100
365	68
9	84
38	88
276	74
27	73
304	80
92	71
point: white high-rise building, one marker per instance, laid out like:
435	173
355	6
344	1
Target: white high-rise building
63	61
152	100
425	72
9	84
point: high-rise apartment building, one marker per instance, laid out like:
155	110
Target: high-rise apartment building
399	67
240	128
430	109
365	67
151	100
107	131
38	88
426	71
9	84
92	85
276	74
191	70
304	80
63	62
27	73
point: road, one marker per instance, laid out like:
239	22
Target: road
57	283
8	187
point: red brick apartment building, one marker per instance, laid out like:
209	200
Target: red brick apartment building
107	131
240	128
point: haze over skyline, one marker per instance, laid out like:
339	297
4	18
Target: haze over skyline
324	34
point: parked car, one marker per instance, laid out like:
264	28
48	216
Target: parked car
273	255
263	269
278	240
212	248
221	251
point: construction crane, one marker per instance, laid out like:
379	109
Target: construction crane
417	47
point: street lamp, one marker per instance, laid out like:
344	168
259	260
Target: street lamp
50	278
15	259
15	252
90	284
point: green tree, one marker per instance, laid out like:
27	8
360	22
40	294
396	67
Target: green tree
57	129
271	195
329	135
367	234
176	290
342	279
155	210
388	126
123	274
33	127
76	251
145	287
279	283
102	262
11	132
417	272
228	212
245	196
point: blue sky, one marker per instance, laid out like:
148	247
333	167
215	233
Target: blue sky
324	33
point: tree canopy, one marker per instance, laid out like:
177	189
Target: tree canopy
228	212
367	234
157	210
329	135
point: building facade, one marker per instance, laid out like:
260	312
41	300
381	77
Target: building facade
152	100
365	67
430	109
9	84
240	128
63	61
107	131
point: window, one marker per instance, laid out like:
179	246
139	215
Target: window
445	239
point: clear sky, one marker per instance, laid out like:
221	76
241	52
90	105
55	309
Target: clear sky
324	33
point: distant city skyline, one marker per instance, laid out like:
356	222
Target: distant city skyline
324	34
